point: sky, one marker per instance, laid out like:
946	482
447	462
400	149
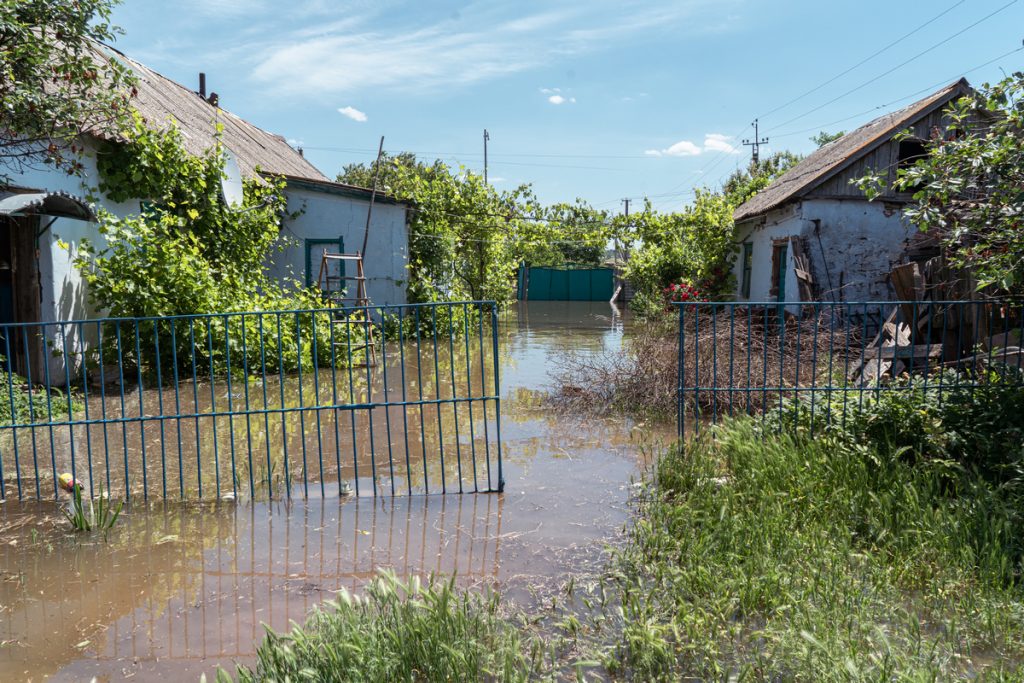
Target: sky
597	99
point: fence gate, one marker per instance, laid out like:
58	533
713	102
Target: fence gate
754	358
260	404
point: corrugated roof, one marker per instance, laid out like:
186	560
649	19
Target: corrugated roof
832	158
160	98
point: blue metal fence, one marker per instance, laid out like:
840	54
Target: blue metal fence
362	400
749	358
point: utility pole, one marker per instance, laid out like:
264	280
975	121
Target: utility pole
373	196
618	247
487	137
756	143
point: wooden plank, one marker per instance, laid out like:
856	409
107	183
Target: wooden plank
892	351
802	269
873	371
909	285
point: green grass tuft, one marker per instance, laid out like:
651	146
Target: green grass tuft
397	631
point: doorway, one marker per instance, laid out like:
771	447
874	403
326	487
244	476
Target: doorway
20	295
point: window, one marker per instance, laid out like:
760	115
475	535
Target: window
909	151
748	264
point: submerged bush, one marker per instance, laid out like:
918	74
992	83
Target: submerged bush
398	631
766	556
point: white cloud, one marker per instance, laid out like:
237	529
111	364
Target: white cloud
482	42
716	142
713	142
683	148
559	99
353	113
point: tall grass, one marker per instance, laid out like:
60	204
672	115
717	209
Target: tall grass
397	631
783	558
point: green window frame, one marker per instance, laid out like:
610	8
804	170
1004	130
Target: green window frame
314	249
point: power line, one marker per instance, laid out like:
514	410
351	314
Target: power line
901	64
427	153
922	91
865	60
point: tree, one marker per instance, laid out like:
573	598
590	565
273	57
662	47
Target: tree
824	137
362	175
576	234
969	188
745	183
54	84
696	244
465	237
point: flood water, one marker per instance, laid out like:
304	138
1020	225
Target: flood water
178	589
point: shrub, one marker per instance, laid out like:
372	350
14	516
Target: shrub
189	255
972	420
398	631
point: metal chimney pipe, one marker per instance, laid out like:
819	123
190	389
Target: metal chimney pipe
202	85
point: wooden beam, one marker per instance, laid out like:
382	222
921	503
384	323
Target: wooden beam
917	351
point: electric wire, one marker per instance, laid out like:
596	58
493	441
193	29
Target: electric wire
863	61
900	65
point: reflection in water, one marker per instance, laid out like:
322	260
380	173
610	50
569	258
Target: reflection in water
186	584
180	589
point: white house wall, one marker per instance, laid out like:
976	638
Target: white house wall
64	293
331	216
778	225
860	242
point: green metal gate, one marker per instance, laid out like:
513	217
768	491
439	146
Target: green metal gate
257	404
566	284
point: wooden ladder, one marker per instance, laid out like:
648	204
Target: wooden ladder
350	310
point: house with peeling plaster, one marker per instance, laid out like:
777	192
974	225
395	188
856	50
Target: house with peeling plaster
813	236
44	214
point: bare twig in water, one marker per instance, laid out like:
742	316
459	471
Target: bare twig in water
731	360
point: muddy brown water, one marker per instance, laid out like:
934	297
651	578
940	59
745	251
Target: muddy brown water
178	589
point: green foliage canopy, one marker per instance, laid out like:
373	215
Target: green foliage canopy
54	85
466	238
696	244
824	137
